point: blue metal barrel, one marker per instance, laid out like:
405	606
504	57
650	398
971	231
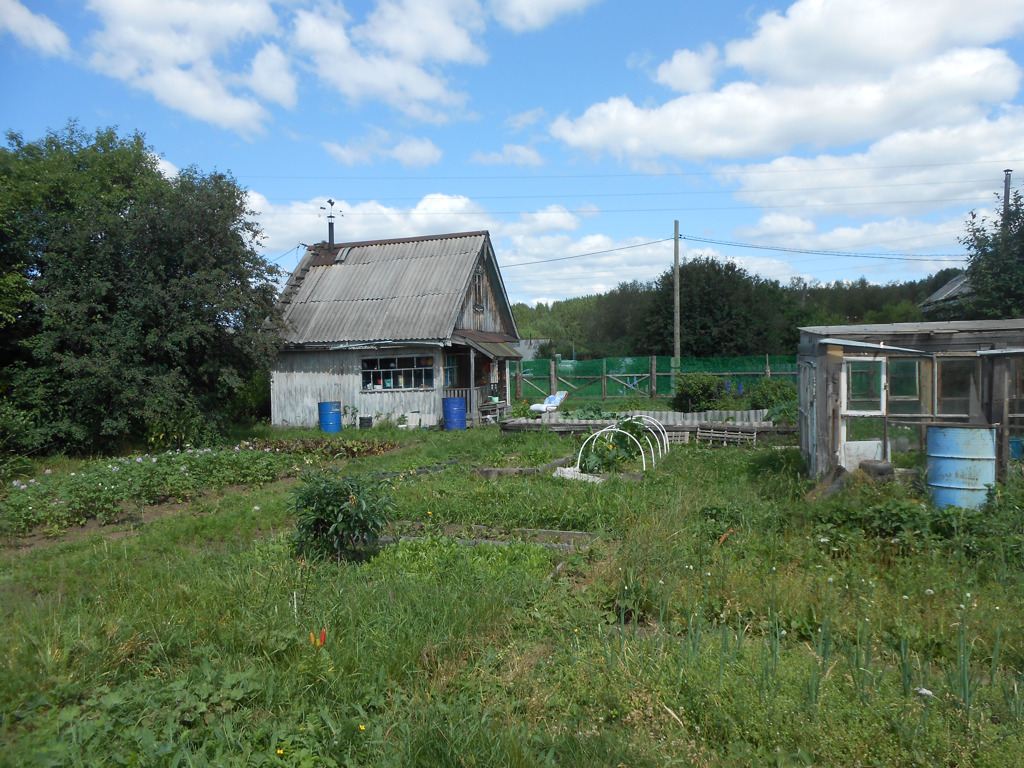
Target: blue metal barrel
1016	448
454	412
961	464
330	416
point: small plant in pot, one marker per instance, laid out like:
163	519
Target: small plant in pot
339	517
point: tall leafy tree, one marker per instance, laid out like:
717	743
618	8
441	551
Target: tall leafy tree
723	311
148	299
995	262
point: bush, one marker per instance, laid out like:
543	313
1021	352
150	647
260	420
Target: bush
769	393
339	516
698	392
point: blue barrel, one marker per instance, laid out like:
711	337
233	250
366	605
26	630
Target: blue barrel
330	416
454	410
1016	448
961	464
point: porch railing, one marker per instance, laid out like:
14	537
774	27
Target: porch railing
484	393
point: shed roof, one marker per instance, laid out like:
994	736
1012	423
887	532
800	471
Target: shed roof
408	289
955	326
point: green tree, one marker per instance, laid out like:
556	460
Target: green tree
995	263
148	298
723	311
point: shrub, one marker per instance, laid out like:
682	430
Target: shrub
697	392
339	516
771	392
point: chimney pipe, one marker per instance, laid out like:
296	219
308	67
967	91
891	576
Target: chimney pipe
330	224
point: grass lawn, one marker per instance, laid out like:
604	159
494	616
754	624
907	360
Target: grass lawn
718	619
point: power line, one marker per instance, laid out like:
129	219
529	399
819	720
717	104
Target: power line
698	174
844	254
690	193
591	253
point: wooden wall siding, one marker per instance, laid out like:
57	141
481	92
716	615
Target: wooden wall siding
300	381
490	319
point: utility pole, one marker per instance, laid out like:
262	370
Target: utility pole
1006	196
675	271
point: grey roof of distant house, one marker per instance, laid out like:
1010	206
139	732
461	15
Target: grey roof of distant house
954	290
409	289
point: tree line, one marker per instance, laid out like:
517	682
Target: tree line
724	311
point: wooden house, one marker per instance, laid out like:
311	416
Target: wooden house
391	327
870	391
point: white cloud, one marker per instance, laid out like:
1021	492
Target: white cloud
410	152
743	118
905	173
511	154
845	40
426	30
167	48
526	15
551	219
526	119
33	29
402	83
778	224
271	76
200	92
417	153
690	71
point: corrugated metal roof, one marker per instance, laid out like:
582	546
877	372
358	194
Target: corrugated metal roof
383	290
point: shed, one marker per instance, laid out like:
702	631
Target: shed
391	327
869	391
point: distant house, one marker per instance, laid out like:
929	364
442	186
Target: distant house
947	303
528	347
391	327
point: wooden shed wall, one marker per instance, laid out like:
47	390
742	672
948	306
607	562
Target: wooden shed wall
301	380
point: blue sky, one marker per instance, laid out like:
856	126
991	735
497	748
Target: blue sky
857	134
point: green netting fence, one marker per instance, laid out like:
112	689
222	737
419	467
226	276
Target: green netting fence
631	376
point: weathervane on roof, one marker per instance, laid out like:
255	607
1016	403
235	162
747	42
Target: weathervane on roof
330	223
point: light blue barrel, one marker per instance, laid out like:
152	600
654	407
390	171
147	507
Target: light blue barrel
454	411
330	416
961	465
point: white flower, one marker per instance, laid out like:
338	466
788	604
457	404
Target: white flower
823	540
923	692
929	591
255	509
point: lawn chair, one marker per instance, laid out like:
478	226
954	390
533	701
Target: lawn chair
551	403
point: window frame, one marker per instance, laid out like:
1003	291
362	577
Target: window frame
416	369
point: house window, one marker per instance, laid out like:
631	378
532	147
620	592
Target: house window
864	385
398	372
958	386
905	386
451	371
